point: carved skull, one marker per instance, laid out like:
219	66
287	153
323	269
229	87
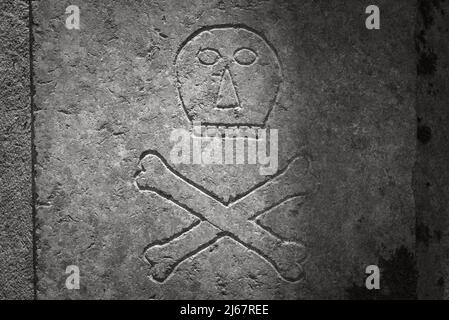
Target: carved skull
228	76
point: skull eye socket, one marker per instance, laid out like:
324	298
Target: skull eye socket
208	56
245	56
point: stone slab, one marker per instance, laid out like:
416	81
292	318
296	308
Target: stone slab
110	201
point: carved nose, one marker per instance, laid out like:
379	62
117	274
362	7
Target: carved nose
227	96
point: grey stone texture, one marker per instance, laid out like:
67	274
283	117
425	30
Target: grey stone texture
431	173
138	226
16	224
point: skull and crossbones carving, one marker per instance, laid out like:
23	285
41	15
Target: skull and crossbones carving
226	76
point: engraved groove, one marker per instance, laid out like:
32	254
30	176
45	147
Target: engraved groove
277	204
187	256
270	230
161	242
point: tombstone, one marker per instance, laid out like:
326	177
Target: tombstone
111	201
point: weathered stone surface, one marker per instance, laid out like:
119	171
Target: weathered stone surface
16	255
431	173
139	226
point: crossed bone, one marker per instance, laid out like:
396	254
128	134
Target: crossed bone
218	219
